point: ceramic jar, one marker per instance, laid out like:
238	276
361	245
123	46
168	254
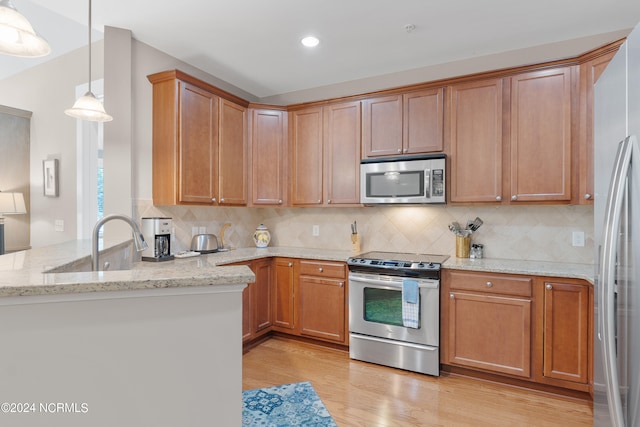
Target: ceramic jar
261	236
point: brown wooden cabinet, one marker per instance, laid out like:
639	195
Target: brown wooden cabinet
283	293
199	143
475	111
566	336
589	73
323	300
257	300
410	123
489	323
540	137
325	159
268	157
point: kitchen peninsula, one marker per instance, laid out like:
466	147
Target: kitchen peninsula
159	344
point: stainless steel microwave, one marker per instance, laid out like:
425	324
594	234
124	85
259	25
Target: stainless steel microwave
403	180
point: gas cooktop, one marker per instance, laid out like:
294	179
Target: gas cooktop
397	261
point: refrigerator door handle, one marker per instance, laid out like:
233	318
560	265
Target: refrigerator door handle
607	276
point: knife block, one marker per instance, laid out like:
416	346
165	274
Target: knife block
355	244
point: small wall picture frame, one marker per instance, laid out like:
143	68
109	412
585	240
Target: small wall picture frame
50	177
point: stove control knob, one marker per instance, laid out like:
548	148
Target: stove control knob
421	265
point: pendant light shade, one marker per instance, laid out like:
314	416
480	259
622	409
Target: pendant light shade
88	107
17	36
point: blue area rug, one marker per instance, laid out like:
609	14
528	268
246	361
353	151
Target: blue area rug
294	404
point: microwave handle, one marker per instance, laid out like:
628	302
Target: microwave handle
427	183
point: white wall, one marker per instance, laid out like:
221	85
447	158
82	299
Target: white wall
47	90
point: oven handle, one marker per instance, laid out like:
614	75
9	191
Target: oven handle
401	343
396	282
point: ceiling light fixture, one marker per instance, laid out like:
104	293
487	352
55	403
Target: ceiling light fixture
310	41
17	36
88	107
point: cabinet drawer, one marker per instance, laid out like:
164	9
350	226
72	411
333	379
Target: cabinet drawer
335	270
495	284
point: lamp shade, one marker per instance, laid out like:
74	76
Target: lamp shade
12	203
17	36
88	107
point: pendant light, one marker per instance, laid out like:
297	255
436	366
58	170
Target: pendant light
17	36
88	107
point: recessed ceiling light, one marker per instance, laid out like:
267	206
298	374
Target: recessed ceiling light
310	41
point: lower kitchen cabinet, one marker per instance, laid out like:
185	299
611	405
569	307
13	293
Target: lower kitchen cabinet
489	323
535	329
283	293
566	324
323	300
256	300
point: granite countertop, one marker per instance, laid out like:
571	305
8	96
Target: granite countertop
24	273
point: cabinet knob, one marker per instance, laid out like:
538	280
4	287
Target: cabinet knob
319	201
406	150
549	287
320	269
280	201
222	200
489	284
514	197
290	264
587	196
452	296
329	201
399	150
498	198
213	200
341	284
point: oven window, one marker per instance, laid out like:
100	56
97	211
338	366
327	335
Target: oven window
396	184
383	306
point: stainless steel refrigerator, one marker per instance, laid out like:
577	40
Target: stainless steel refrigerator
617	239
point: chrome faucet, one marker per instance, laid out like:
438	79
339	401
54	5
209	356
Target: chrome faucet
138	239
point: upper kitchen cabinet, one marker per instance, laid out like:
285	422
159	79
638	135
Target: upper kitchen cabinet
268	157
325	155
475	111
409	123
590	70
199	142
540	145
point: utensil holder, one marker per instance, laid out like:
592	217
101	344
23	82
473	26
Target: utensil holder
463	246
355	244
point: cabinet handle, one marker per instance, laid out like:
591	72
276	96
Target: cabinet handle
489	284
587	196
549	287
280	201
320	269
514	197
213	200
498	198
452	296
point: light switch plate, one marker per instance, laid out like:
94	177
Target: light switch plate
316	230
58	225
578	238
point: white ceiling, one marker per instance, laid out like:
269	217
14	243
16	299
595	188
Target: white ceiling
254	44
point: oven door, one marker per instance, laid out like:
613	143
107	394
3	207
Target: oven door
375	308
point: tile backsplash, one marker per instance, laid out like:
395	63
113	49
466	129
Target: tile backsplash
538	233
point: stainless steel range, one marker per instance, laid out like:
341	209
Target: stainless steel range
394	310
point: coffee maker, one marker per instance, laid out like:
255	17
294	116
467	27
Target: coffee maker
157	234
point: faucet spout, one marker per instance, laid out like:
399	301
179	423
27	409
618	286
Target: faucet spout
138	238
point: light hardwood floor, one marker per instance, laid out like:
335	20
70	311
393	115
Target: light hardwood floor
363	394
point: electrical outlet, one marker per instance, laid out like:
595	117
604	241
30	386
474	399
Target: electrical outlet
316	230
578	238
58	225
202	230
194	231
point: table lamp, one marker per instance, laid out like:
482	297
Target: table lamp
10	204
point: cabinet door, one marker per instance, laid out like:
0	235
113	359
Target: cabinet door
566	331
268	157
232	154
322	308
589	73
306	159
541	136
476	141
247	312
382	126
262	295
342	153
490	332
422	121
198	145
283	293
